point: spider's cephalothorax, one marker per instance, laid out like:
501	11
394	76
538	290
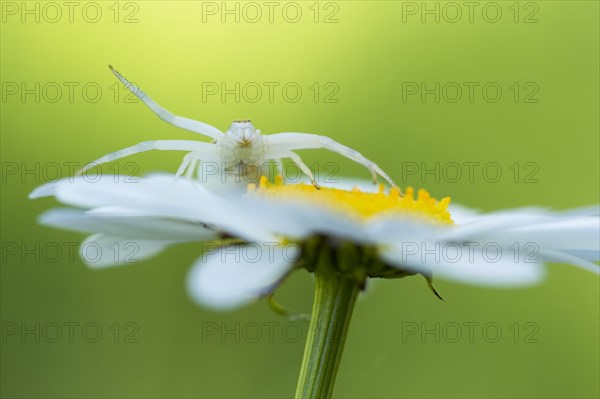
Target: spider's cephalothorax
239	149
242	141
243	131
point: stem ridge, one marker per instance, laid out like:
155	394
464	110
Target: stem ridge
334	300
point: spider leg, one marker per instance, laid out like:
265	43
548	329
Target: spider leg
178	121
279	167
192	168
298	161
187	160
190	162
302	141
207	150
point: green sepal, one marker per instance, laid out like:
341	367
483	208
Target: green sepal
285	312
430	284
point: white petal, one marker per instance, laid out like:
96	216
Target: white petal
559	257
298	219
587	210
47	189
230	277
494	222
461	214
140	194
396	229
593	256
459	263
118	211
580	233
161	195
568	233
132	227
102	250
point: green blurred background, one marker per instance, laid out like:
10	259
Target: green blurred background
174	49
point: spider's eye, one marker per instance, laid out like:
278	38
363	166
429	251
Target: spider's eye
243	128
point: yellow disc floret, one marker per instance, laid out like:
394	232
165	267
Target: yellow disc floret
358	203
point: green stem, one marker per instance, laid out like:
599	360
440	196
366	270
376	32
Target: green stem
334	300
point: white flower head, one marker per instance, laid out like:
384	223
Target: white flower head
276	228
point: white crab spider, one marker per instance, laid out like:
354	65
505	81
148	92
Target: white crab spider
242	144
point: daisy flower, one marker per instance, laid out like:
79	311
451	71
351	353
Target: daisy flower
344	235
410	234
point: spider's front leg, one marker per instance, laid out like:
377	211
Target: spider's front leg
191	161
177	121
305	169
300	141
204	150
272	155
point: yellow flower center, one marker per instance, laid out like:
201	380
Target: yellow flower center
358	203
